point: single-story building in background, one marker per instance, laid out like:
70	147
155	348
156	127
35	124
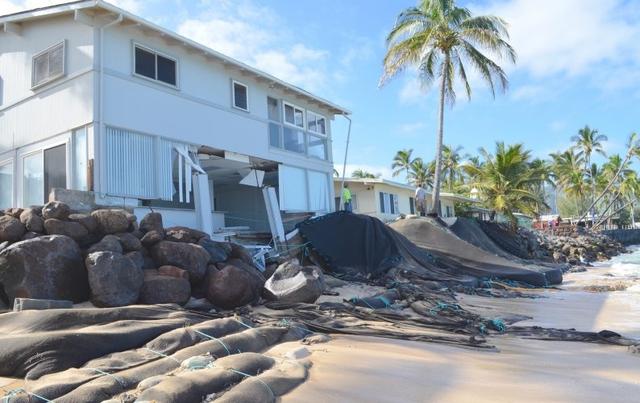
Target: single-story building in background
96	99
388	200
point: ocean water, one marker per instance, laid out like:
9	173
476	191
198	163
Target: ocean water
624	267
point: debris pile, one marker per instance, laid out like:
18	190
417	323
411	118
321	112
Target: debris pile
108	258
579	248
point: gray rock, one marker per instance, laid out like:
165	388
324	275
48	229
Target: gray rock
114	279
4	245
184	234
151	238
110	243
32	220
137	258
152	222
159	289
56	210
111	221
88	221
231	288
240	252
294	283
187	256
30	235
218	251
47	267
73	230
129	242
11	229
13	212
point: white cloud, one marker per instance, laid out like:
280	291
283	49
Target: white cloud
409	129
572	38
256	35
412	92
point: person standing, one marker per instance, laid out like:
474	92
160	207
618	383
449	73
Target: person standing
421	200
346	198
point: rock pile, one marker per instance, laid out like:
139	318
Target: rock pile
107	257
576	248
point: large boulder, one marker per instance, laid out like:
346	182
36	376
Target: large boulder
32	221
231	288
219	251
172	271
257	277
110	243
114	279
129	242
73	230
294	283
47	267
152	222
88	221
111	221
240	252
187	256
159	289
56	210
184	234
151	238
11	229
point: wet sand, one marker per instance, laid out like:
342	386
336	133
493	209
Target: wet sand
367	369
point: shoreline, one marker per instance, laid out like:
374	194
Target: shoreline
364	368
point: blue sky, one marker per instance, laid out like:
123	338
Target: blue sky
579	63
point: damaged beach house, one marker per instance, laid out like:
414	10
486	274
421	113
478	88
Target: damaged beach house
99	107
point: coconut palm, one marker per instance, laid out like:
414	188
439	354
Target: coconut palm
568	169
505	181
421	173
441	39
451	158
362	174
545	177
402	162
589	141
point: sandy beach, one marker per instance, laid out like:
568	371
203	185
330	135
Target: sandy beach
357	369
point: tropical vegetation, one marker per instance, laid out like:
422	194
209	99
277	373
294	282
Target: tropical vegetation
442	41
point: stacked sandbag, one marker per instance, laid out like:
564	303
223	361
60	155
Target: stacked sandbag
53	253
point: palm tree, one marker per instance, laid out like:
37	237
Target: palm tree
362	174
439	39
545	177
589	141
421	173
451	164
402	162
569	172
505	181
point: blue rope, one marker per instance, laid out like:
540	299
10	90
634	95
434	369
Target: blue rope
162	355
441	306
214	338
287	324
15	392
499	325
107	374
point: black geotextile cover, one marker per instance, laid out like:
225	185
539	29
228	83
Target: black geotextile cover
352	243
505	238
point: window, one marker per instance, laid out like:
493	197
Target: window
130	164
80	160
240	96
155	66
293	115
316	123
48	65
55	169
449	212
293	135
388	203
412	205
33	180
6	185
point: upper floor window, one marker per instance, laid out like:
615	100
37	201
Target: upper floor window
316	123
155	66
48	65
240	96
293	115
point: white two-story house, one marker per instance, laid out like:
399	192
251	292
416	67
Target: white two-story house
93	98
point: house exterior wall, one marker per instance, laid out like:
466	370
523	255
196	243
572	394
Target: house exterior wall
66	103
200	110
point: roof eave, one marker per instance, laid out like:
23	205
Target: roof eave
84	4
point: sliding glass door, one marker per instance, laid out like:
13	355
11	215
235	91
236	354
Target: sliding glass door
6	185
42	172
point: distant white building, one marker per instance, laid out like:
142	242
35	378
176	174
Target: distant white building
388	200
95	98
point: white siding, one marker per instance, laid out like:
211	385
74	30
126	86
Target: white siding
27	115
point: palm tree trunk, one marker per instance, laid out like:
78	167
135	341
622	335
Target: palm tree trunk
435	208
606	189
631	203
